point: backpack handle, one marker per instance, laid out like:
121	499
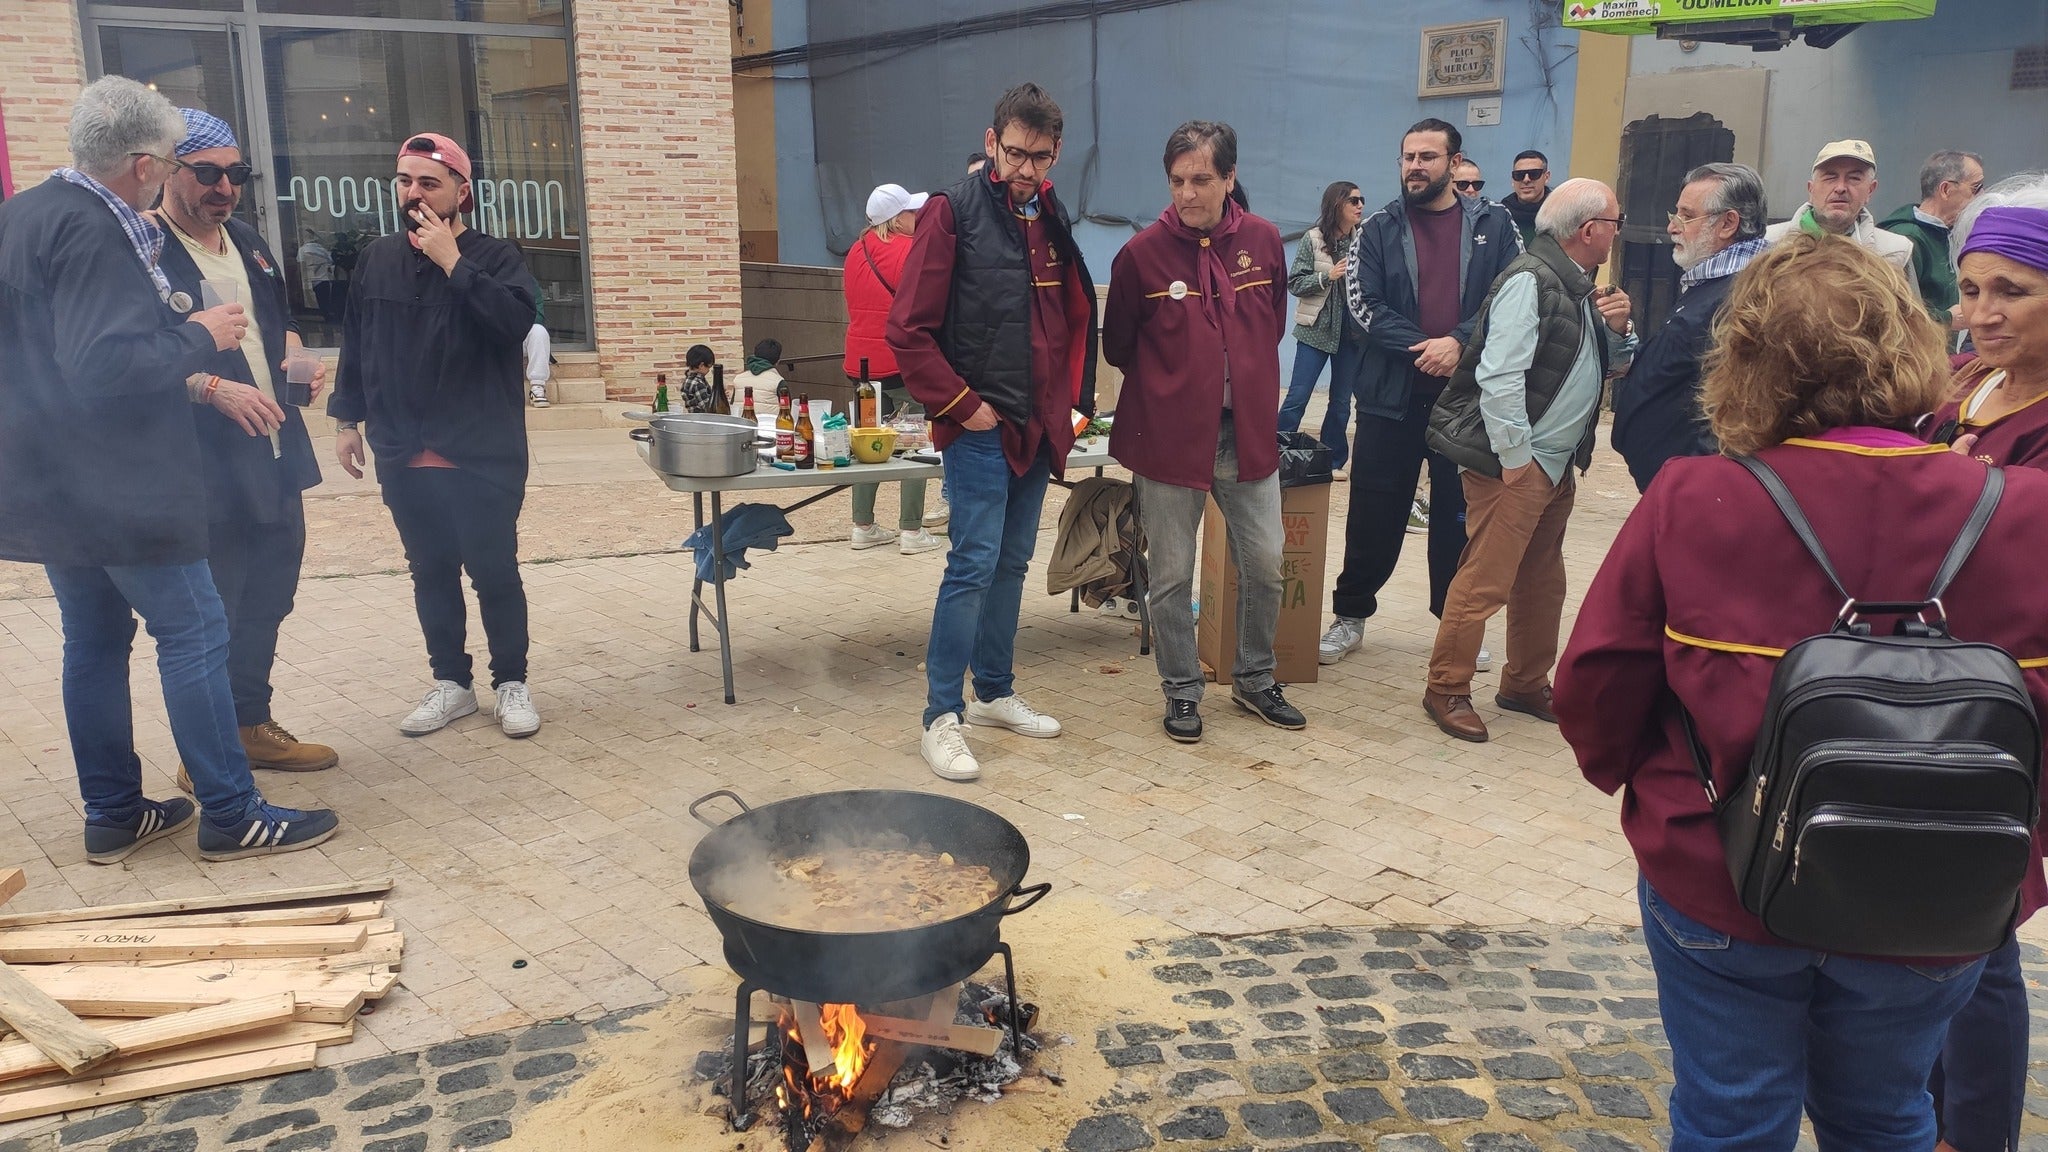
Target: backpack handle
1951	564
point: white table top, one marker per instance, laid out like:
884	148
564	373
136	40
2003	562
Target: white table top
1090	453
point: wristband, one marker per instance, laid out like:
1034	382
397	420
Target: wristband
347	425
212	385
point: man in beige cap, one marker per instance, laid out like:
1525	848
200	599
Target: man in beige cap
1837	199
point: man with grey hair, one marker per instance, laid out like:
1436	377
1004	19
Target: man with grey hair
1838	204
1716	231
1948	182
102	482
1518	413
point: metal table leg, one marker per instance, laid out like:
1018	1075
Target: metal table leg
718	594
696	582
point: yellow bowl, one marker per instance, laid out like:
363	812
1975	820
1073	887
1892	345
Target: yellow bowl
873	445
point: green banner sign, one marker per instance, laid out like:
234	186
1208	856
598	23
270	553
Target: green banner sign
1643	17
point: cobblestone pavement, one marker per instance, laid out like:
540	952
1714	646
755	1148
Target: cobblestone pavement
569	850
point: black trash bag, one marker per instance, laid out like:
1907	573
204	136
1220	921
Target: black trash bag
1304	460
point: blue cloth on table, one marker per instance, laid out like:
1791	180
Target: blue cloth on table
746	526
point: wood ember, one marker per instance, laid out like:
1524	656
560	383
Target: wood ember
121	1002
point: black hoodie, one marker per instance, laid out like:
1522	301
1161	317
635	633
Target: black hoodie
1524	212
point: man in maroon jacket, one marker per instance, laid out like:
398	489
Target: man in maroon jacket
1197	306
994	332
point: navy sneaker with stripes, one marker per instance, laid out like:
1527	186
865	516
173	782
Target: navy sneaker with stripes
112	841
266	831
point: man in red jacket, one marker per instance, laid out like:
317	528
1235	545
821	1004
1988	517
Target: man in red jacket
1197	306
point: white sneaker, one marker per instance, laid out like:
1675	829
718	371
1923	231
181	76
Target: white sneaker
1485	661
937	512
516	713
1344	637
944	745
1013	713
911	543
867	536
539	392
444	704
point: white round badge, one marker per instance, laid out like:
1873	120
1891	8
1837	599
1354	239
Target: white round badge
1178	289
180	302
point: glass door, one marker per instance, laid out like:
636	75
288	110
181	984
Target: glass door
195	66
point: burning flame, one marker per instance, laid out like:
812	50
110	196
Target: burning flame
848	1037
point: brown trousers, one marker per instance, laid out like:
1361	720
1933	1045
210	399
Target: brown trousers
1514	558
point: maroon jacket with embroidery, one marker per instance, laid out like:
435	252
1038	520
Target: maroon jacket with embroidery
1174	352
1706	582
2019	437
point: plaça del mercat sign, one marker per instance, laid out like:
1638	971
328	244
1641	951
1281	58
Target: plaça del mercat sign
1644	17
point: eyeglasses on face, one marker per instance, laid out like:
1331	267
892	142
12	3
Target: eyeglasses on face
1617	221
1524	175
1355	198
1676	220
208	175
1468	185
1019	158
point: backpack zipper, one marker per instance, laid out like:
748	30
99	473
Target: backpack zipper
1832	814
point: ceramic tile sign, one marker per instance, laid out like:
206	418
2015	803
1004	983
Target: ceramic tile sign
1463	59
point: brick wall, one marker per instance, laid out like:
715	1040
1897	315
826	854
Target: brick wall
654	89
42	67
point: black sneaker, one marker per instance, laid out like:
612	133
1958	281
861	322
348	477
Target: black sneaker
110	842
268	831
1183	721
1269	705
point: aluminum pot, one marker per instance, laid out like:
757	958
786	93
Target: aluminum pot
699	444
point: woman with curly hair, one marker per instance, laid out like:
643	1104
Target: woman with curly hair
1825	361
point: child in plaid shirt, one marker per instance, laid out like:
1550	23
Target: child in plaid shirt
696	389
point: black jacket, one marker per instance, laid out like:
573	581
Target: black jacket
434	361
99	462
1657	405
987	334
1457	428
1379	287
244	482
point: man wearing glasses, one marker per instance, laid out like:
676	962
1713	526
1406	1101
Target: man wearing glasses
101	479
1948	182
1717	230
1466	179
1517	415
256	453
994	330
1531	175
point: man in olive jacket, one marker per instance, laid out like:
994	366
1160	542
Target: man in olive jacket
1518	413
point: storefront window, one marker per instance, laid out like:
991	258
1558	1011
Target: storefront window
337	102
485	11
341	104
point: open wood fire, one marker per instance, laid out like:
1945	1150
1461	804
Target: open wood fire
825	1072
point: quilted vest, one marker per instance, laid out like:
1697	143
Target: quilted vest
987	333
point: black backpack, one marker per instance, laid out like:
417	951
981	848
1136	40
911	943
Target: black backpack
1890	804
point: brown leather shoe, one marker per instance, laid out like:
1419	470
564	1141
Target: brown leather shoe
1455	716
270	746
1535	704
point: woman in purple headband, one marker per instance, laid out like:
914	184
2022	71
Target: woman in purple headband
1996	415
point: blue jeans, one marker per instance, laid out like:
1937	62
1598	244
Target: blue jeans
1760	1031
1308	367
994	531
1980	1084
184	614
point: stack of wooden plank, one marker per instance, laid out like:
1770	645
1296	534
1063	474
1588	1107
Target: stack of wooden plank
126	1001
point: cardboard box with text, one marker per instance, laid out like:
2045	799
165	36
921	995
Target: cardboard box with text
1305	522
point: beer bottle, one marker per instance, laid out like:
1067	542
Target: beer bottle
747	407
805	456
785	433
661	391
865	407
719	403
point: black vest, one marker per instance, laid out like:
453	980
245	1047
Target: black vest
987	333
1456	428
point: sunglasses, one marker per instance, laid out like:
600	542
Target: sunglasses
1523	175
1354	200
209	175
1468	185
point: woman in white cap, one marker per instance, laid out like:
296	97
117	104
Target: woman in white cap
874	269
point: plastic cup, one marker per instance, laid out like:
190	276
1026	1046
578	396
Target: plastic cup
298	380
214	293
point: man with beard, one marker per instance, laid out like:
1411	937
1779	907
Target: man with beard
1837	204
257	456
100	479
1197	306
1419	271
431	359
1531	187
1717	230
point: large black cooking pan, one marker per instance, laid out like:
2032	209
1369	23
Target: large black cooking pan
858	967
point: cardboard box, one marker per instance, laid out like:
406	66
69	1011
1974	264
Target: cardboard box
1305	518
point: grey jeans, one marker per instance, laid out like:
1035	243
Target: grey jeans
1172	519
